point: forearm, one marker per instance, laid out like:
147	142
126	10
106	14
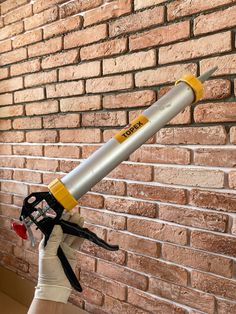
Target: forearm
39	306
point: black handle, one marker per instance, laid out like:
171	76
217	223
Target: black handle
68	270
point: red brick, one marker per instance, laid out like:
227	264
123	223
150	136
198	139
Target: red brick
107	11
132	172
183	8
233	135
232	179
14	263
5	46
14	137
42	164
11	85
67	166
42	108
27	38
157	36
5	149
27	176
134	99
223	63
130	207
14	187
65	89
217	89
5	175
107	286
158	268
152	303
5	198
166	155
62	26
31	150
224	306
220	244
130	62
135	22
27	123
99	218
110	187
62	151
107	48
214	21
118	118
92	200
157	193
79	71
193	218
212	135
41	5
212	112
190	177
86	262
6	99
214	285
9	5
86	36
18	14
42	18
41	136
111	83
13	56
122	274
25	67
4	73
15	162
88	150
44	48
195	48
80	136
92	295
198	260
163	75
182	295
80	103
59	59
40	78
77	6
131	243
215	157
31	94
11	30
5	125
11	111
49	177
213	200
140	4
157	230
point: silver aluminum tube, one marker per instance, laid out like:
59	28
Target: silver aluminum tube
105	159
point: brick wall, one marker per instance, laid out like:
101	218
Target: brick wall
74	72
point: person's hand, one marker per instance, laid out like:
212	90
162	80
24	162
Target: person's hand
52	282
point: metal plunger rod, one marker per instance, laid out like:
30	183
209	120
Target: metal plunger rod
72	186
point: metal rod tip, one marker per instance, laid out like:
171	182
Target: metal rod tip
205	76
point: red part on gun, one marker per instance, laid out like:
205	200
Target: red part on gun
20	230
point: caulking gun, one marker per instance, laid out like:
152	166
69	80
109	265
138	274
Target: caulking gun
64	193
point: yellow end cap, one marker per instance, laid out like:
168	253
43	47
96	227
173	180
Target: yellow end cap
62	195
194	83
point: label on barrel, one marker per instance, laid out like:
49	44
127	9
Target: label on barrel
131	128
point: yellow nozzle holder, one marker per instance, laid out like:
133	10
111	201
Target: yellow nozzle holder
194	83
62	195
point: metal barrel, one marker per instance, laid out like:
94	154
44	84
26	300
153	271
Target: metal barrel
80	180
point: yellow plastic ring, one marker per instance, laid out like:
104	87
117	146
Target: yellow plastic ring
62	195
194	83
